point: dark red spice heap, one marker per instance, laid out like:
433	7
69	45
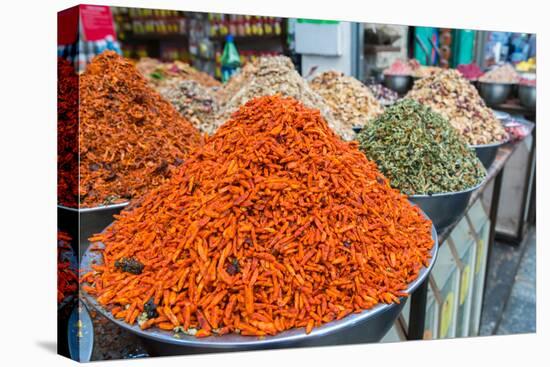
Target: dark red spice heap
67	133
67	280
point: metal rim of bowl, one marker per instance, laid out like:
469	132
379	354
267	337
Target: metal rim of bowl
292	335
95	208
496	83
501	115
451	193
492	145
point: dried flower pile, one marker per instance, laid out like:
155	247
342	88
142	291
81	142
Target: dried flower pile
470	71
194	102
399	67
130	138
275	75
159	73
384	95
419	151
351	102
275	223
501	74
67	134
423	71
454	97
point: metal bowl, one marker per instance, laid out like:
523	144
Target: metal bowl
494	94
488	152
528	96
398	83
368	326
85	222
444	208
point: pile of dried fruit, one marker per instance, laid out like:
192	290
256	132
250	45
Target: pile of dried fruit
130	137
422	71
419	151
268	76
160	73
275	223
384	95
399	67
194	102
67	134
351	102
501	74
458	101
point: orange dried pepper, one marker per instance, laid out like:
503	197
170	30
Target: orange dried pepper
130	137
274	223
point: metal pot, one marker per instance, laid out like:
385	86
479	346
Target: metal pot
368	326
488	152
528	96
444	208
84	222
494	94
399	83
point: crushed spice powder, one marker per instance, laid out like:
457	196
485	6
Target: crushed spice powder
275	223
130	137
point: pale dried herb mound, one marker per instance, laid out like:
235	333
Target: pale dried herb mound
351	102
419	151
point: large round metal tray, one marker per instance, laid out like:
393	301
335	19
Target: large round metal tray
82	223
444	208
368	326
501	115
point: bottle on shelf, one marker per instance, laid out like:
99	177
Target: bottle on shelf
231	62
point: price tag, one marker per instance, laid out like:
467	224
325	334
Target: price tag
446	314
464	284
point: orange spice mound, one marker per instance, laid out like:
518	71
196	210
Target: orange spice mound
130	138
275	223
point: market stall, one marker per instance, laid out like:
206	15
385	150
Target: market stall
226	184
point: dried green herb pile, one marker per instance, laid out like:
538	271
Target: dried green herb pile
419	151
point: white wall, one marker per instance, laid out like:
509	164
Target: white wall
317	46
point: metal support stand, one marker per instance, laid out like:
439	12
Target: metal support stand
417	316
495	199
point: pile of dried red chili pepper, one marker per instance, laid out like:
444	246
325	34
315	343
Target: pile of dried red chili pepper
67	133
275	223
67	280
130	138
